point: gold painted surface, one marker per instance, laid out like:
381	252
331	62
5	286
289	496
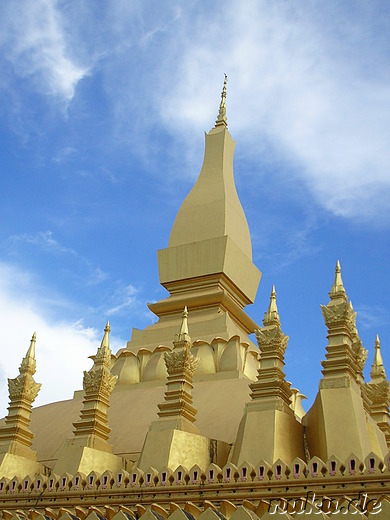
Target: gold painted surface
52	423
338	423
208	263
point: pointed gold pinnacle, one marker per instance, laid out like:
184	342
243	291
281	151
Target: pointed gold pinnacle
271	317
337	290
184	322
183	338
377	368
222	119
28	363
105	340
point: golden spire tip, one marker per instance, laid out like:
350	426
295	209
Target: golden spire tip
222	119
184	322
272	301
337	290
271	317
377	368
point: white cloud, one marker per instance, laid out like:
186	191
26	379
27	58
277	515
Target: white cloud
35	43
62	347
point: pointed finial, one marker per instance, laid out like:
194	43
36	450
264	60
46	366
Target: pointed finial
105	340
183	338
103	355
184	322
337	290
28	363
271	317
377	368
222	119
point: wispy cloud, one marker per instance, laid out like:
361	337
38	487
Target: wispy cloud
35	43
64	154
45	242
42	239
295	239
97	276
122	299
372	317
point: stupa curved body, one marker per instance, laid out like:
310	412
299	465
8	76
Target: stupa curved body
193	419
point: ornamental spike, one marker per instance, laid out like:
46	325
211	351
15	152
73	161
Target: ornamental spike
28	363
271	317
222	119
337	290
377	368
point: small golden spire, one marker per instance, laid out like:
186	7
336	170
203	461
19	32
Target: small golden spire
271	317
377	368
98	383
22	392
222	119
337	290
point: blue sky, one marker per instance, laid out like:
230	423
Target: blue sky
102	112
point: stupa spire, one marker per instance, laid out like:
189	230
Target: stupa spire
89	448
343	366
98	384
174	432
222	119
16	436
208	262
269	413
181	365
272	344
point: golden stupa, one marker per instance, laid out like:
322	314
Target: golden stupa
193	420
